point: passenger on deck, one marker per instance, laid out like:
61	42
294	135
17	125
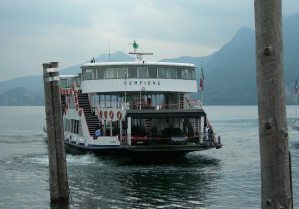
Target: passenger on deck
205	134
98	132
219	139
211	133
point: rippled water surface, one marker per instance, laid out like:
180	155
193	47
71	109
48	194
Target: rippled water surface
225	178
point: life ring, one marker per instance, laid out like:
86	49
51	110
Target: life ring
100	114
105	114
80	112
111	114
119	115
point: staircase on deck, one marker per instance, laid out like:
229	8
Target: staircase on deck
91	119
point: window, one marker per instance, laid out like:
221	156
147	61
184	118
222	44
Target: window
111	72
152	72
142	72
162	72
121	72
88	74
101	73
132	72
186	74
179	73
171	73
63	83
192	74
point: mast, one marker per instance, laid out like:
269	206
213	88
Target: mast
139	55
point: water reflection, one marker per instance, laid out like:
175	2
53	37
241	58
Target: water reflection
122	183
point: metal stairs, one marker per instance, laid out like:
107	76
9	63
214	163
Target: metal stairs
195	125
181	101
91	119
148	124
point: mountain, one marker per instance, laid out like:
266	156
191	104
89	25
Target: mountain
35	83
20	97
230	73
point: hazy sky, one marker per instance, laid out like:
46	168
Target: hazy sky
73	31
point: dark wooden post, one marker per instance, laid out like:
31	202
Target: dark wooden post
59	189
273	133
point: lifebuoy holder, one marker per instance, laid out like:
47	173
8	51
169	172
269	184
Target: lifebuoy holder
111	114
119	115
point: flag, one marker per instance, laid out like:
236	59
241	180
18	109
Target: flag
296	87
201	82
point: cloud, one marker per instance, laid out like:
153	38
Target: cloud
72	31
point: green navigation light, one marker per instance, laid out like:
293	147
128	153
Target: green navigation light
135	45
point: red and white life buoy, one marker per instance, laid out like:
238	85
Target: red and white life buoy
105	114
100	114
119	115
111	114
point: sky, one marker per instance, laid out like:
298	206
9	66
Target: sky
73	31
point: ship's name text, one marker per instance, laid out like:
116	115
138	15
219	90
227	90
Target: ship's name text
136	83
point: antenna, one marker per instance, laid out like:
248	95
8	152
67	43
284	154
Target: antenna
139	55
109	52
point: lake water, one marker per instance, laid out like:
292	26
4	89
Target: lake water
226	178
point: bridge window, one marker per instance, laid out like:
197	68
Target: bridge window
180	73
152	72
186	74
121	72
111	72
171	73
63	83
88	74
132	72
100	73
142	72
162	72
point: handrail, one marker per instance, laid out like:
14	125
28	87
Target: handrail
144	105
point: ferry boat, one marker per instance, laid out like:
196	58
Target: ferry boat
139	108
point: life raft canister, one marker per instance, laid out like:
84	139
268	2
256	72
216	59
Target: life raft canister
111	114
119	115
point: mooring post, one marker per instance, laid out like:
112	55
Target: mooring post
59	189
273	133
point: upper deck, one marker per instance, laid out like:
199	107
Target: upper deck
138	76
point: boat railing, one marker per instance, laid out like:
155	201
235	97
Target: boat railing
191	104
111	104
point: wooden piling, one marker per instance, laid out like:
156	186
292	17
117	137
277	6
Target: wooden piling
59	189
273	133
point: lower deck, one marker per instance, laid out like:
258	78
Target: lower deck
145	150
